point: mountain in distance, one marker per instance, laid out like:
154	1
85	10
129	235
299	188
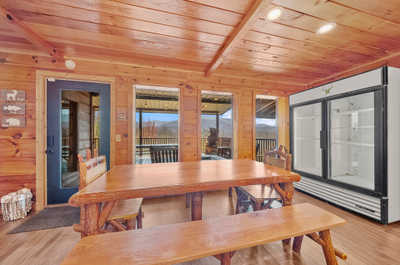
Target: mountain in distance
169	129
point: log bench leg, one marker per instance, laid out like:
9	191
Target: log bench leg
328	249
197	206
286	190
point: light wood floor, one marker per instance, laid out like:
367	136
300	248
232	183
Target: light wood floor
365	242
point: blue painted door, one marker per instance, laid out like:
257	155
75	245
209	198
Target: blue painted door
56	193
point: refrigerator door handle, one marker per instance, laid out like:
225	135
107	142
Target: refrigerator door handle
322	139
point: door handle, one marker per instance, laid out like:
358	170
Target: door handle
323	139
49	151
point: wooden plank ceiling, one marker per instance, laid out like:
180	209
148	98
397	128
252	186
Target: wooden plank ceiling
212	36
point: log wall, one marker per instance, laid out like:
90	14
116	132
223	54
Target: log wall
17	145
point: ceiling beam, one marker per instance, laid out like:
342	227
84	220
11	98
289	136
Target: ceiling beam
237	34
30	35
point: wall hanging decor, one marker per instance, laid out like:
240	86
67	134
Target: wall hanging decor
13	108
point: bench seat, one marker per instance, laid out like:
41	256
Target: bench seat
126	209
175	243
260	192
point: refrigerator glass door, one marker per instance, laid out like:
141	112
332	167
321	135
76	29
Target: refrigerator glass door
352	128
306	137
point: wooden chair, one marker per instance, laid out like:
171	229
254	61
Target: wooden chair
224	147
126	214
262	196
163	154
166	154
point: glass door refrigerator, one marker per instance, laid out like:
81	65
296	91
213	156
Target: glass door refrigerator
338	142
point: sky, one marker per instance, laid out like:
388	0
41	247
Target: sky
157	117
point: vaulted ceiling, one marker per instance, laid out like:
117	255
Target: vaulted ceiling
224	37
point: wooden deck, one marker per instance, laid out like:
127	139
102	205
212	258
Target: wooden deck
365	242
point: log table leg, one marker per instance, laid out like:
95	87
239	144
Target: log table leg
197	205
258	205
226	259
297	243
187	200
93	217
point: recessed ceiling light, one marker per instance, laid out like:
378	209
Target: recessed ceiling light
274	14
326	28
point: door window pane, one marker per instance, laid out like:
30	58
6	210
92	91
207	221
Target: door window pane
216	125
157	127
266	129
306	136
352	140
80	131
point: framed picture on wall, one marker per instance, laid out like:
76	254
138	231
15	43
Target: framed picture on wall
13	108
12	95
13	121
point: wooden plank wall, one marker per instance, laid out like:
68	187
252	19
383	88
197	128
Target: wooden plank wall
283	114
17	167
17	145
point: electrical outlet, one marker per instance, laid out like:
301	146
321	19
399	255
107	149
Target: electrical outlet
118	138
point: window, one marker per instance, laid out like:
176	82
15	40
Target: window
157	119
216	125
266	129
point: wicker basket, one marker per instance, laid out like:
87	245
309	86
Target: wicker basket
16	205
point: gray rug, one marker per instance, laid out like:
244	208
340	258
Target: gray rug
50	218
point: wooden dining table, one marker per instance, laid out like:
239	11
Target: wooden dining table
135	181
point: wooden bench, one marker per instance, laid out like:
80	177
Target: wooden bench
125	214
219	237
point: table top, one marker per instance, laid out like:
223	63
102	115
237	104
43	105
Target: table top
133	181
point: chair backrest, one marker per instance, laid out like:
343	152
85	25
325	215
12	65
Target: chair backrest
279	158
91	169
163	154
88	155
224	142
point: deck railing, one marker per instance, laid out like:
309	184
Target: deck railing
160	140
264	144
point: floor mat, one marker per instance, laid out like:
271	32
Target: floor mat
50	218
